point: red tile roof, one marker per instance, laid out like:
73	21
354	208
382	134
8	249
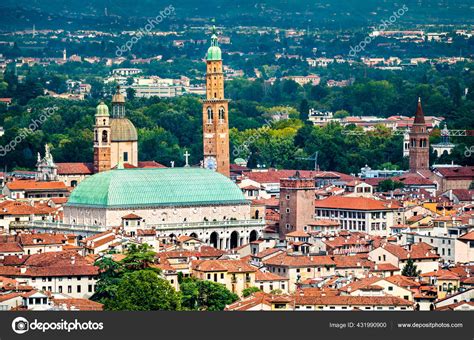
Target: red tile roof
382	267
78	304
10	247
418	251
230	266
150	164
402	281
352	300
355	203
297	233
274	176
467	237
351	262
131	217
22	208
75	168
42	239
30	185
267	276
299	261
465	172
413	179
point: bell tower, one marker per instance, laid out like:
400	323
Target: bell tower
102	139
215	115
419	148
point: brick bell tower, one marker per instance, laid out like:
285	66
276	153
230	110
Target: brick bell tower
215	117
296	203
419	148
102	139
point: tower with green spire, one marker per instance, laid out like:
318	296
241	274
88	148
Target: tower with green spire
214	51
215	113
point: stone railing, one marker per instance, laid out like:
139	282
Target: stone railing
209	224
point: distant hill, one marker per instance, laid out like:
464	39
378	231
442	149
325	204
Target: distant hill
281	13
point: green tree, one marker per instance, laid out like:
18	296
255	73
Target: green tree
130	93
410	269
388	185
304	110
205	295
143	290
109	276
139	257
248	291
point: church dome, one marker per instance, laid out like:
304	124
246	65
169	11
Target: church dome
214	52
156	187
122	130
102	110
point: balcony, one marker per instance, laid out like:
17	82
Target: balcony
209	224
65	226
257	223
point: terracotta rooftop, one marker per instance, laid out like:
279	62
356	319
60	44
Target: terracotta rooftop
267	276
75	168
355	203
465	172
30	185
78	304
299	261
230	266
297	233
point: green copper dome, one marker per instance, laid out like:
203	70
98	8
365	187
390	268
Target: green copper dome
102	110
214	52
156	187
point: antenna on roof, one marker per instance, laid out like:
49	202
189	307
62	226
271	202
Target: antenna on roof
314	158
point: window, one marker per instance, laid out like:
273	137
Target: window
210	115
60	289
390	288
78	288
221	114
104	136
89	288
125	156
69	289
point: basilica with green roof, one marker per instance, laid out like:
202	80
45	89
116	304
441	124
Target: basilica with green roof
199	202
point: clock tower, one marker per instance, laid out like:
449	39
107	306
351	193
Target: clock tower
215	117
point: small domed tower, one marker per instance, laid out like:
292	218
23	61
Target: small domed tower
102	139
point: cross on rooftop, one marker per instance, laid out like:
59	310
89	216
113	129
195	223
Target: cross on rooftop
186	156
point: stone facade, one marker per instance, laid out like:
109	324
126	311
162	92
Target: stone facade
296	204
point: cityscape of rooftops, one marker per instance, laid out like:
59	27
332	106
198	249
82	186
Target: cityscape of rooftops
283	155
